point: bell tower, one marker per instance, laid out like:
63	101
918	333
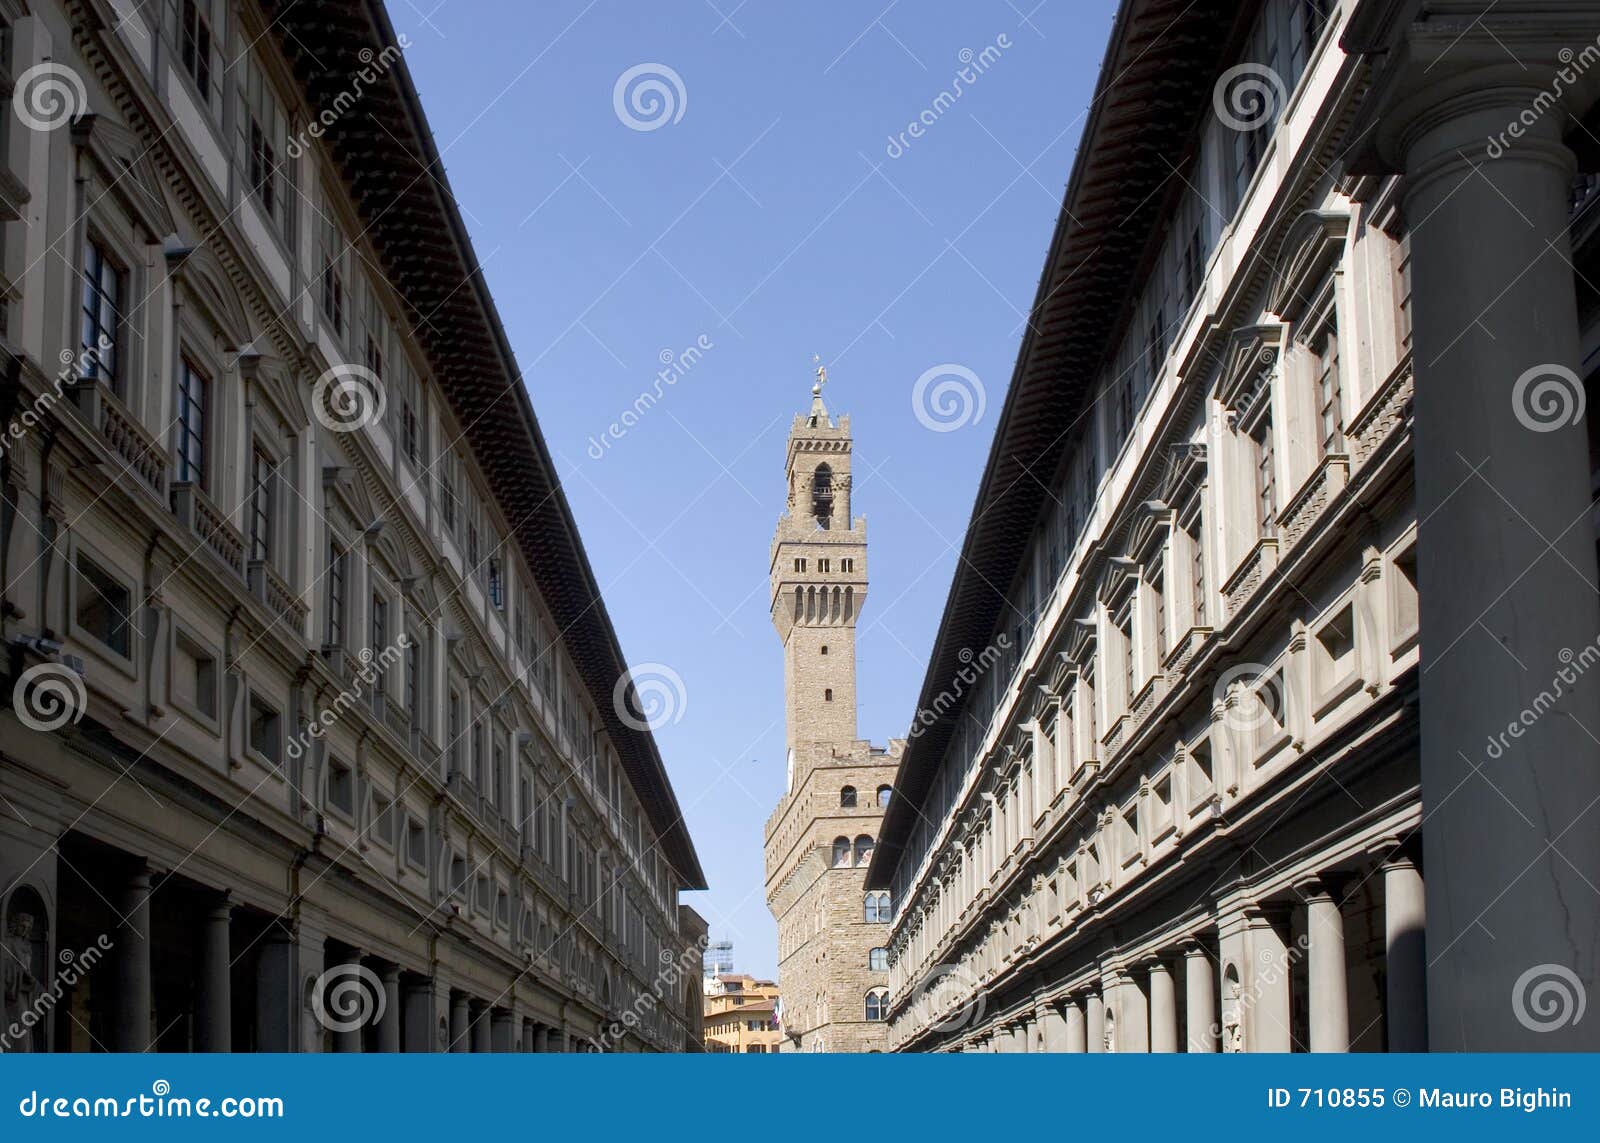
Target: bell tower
819	580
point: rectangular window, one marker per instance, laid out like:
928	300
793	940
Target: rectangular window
194	394
496	583
453	720
266	727
263	144
332	257
104	286
447	492
1197	562
1402	285
383	819
410	436
417	843
341	787
1330	418
336	595
103	604
1266	480
263	491
195	44
414	680
194	674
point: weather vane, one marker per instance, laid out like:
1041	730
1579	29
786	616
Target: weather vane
822	372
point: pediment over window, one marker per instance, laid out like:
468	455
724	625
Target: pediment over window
1186	471
1080	644
127	171
269	382
205	283
1311	248
1149	530
1248	365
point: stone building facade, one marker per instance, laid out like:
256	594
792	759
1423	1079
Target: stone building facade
1286	740
832	933
317	733
741	1015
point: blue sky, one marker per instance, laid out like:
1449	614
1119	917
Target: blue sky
763	212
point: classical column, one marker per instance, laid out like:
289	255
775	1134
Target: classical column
213	1017
1266	995
1163	1009
275	990
501	1024
460	1023
1406	959
480	1028
1077	1032
1133	1015
1054	1024
130	1031
417	1029
1510	768
347	1034
1200	998
389	1022
1326	977
1096	1029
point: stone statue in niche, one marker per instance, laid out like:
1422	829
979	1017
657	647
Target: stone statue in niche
1233	1021
21	983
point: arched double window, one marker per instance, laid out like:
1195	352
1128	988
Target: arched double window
878	1004
883	795
877	910
847	797
822	495
863	849
841	852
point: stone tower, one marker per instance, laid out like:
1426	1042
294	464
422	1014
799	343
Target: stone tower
821	835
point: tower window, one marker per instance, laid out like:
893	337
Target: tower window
823	565
824	648
827	695
847	565
847	797
822	495
800	565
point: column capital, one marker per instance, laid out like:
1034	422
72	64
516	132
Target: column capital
1395	852
1323	887
1533	58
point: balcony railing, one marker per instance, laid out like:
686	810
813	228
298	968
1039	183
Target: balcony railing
196	512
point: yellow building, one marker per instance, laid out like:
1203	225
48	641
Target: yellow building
741	1015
